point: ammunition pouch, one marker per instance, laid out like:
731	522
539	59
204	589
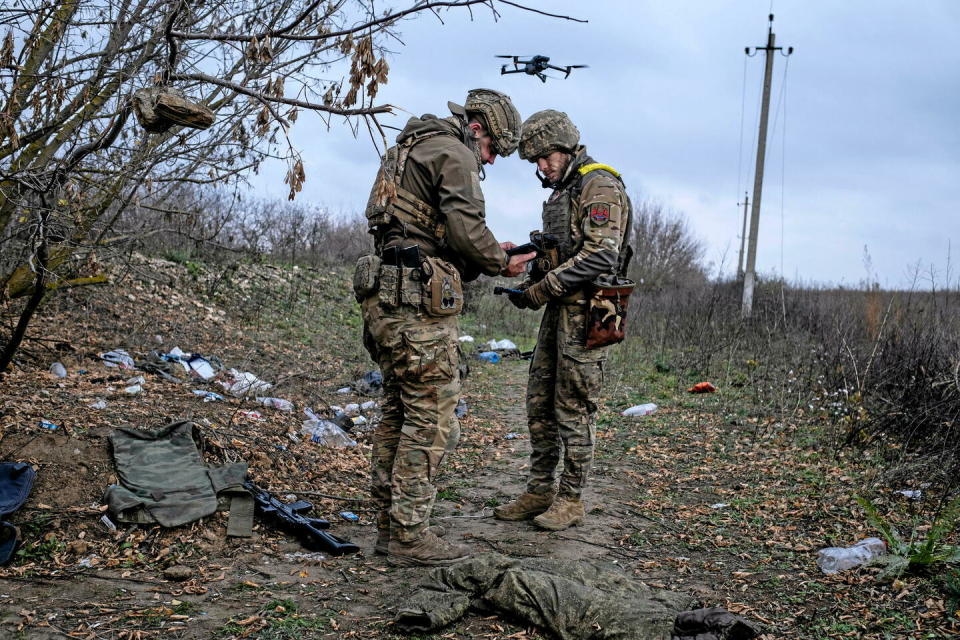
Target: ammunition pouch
366	277
442	290
400	276
606	321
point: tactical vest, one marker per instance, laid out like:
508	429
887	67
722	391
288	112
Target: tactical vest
558	211
389	202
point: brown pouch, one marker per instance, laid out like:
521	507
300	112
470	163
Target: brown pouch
442	288
607	313
366	277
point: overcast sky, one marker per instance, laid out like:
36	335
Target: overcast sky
863	153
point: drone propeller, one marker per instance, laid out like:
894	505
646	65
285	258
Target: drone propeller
578	66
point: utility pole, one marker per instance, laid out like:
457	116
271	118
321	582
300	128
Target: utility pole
750	275
743	235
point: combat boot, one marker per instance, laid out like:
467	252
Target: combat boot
426	551
526	506
564	512
383	538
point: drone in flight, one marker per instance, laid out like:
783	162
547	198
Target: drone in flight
536	66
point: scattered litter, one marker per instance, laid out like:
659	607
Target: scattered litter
835	559
465	338
301	557
640	410
46	424
201	367
89	562
134	389
719	505
244	383
135	380
370	383
276	403
489	356
462	409
99	404
911	494
158	338
293	437
369	405
344	389
702	387
325	432
58	370
347	422
352	409
513	435
208	396
500	345
349	516
108	523
253	415
117	358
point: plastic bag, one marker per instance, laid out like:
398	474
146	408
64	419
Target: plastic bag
325	432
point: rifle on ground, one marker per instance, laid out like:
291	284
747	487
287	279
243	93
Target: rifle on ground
287	517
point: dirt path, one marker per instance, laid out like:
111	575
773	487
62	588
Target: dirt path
253	589
725	509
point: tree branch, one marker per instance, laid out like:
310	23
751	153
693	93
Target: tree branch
202	77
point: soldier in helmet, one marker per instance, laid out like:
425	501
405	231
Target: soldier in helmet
426	214
589	213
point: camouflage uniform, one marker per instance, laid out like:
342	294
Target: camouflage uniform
436	169
589	212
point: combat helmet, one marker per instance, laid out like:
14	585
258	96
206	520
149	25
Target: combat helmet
501	118
547	131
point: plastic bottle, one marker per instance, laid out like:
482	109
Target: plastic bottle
835	559
276	403
325	432
640	410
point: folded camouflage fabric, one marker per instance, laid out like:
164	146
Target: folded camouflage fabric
16	480
163	480
570	600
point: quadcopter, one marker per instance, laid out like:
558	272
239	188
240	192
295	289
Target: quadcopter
536	66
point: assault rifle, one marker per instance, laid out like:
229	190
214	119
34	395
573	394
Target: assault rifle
546	246
540	243
287	517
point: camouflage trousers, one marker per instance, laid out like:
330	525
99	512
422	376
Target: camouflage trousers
418	357
565	381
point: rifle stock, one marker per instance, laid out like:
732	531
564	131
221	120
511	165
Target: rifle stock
288	517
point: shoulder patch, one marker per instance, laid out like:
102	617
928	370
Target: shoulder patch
599	212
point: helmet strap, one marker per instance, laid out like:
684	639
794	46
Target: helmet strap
544	181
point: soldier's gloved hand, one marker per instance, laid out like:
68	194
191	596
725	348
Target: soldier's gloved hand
536	295
518	300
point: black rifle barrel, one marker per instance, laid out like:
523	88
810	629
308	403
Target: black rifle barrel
287	517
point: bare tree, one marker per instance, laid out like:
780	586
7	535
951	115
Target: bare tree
666	250
71	159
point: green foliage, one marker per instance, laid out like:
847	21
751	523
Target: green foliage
180	256
917	553
40	550
951	590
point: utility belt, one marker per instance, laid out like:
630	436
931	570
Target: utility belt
407	277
